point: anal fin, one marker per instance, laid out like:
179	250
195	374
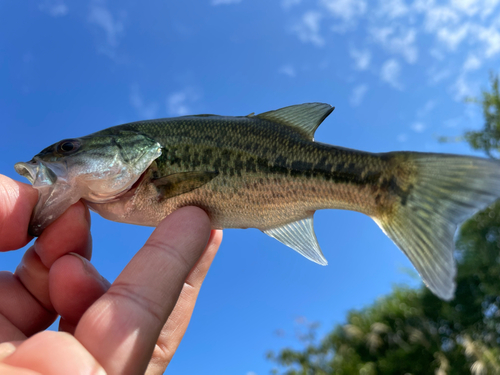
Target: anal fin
300	236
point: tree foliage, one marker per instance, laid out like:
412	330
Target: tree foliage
413	332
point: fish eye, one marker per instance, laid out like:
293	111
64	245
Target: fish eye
68	146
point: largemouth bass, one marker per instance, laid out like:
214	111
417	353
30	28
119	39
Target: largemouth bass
266	171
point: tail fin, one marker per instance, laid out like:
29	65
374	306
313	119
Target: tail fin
447	190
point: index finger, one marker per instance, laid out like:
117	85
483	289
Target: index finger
121	328
17	201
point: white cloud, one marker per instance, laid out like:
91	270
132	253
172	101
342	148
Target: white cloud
307	29
390	73
473	7
358	94
392	8
287	4
225	2
437	75
436	16
452	122
113	28
345	9
402	42
288	70
461	88
472	63
55	8
406	31
491	37
424	111
418	127
361	58
469	7
146	111
402	137
251	373
452	37
437	53
180	103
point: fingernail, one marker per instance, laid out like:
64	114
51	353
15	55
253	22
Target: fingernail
84	261
90	270
6	349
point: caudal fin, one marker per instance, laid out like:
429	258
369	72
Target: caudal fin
447	190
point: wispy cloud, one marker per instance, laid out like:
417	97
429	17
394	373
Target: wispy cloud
145	111
111	25
180	102
453	36
426	109
472	63
347	10
418	127
472	7
288	70
397	41
225	2
55	8
393	9
491	39
406	31
287	4
437	75
390	73
461	88
308	28
358	94
361	58
402	137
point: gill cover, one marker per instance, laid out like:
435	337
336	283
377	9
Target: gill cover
97	168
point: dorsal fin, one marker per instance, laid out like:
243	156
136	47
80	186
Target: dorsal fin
304	118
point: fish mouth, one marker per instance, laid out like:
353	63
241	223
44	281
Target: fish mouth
36	172
55	194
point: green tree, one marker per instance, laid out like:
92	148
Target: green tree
412	331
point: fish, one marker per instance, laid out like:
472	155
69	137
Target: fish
266	171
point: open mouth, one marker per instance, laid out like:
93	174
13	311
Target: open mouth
54	196
36	172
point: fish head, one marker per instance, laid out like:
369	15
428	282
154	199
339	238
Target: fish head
97	168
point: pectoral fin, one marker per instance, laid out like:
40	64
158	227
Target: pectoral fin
180	183
300	236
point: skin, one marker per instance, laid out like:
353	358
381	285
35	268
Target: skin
129	327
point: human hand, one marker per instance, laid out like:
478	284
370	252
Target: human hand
129	327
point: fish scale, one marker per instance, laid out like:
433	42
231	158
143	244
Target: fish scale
266	171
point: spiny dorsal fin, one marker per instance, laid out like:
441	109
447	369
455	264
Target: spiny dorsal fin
305	118
300	236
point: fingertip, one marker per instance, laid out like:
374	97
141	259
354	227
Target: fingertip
74	285
17	201
189	216
187	228
69	233
216	237
54	353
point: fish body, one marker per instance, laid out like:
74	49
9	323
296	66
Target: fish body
266	171
250	172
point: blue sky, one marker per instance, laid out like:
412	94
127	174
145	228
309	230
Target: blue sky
397	72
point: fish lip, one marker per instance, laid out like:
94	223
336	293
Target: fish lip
37	172
51	192
28	170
